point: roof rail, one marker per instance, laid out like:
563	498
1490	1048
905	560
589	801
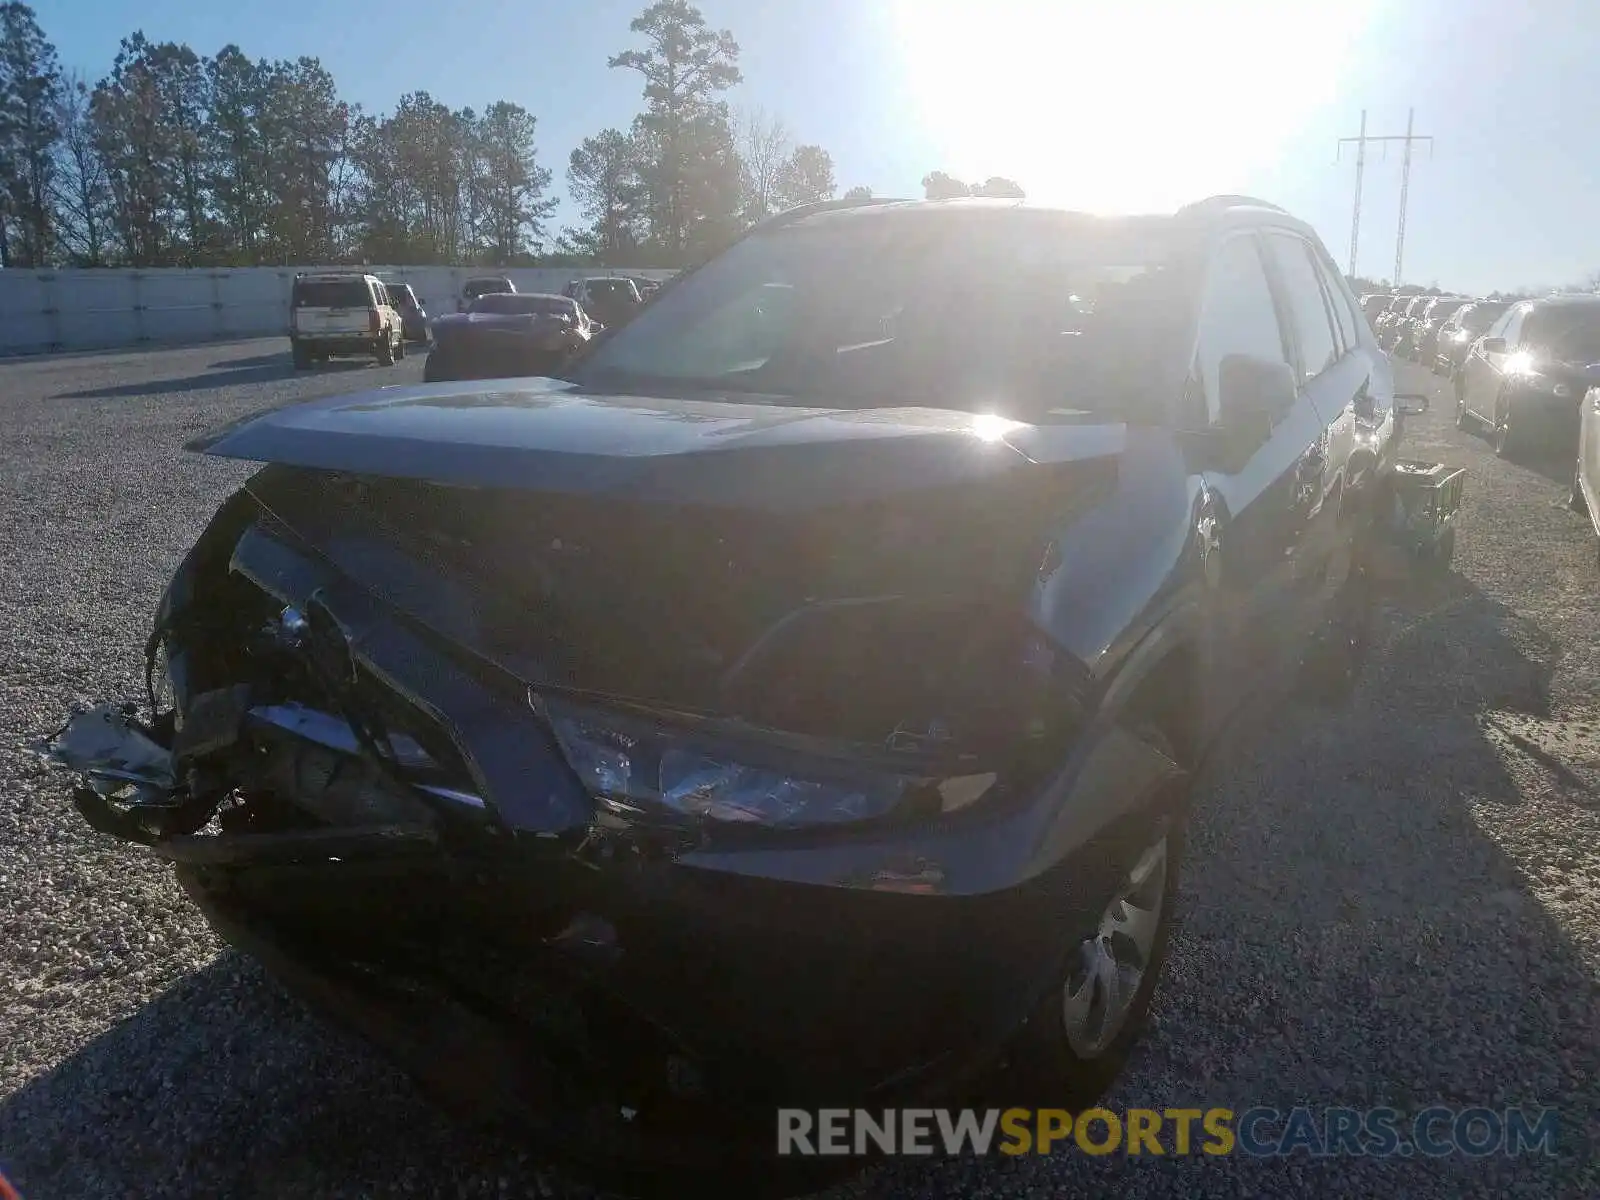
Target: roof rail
1211	203
800	211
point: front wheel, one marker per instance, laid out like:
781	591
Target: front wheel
1464	419
400	348
385	352
1575	500
1078	1039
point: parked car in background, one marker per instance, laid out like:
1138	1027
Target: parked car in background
1424	336
611	300
647	287
553	732
1399	327
1522	381
343	313
483	285
1469	321
507	334
1373	305
413	317
1585	497
1391	313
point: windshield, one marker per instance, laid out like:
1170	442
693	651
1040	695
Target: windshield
1443	309
1479	317
484	287
507	303
332	293
1569	334
401	296
1018	317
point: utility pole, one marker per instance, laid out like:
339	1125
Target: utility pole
1361	167
1408	139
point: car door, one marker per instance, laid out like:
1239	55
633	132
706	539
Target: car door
1336	384
1588	480
1262	504
1484	372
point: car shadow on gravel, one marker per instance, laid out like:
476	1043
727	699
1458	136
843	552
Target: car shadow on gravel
251	360
275	367
1351	934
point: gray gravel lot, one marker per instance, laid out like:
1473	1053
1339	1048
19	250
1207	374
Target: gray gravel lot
1395	904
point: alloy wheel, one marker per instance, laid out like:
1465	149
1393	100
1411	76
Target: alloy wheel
1109	968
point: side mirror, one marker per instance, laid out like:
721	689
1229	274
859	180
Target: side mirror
1492	345
1410	404
1254	394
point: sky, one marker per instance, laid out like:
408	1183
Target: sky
1120	105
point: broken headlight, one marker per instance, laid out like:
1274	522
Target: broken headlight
643	764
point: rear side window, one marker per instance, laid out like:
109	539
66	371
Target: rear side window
332	293
1513	327
1303	291
1340	298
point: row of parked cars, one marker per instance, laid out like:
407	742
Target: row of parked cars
356	314
1526	372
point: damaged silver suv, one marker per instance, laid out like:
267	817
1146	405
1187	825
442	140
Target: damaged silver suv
794	704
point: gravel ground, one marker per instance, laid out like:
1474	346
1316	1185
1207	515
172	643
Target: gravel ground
1395	904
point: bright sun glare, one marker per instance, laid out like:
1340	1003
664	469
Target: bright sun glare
1128	104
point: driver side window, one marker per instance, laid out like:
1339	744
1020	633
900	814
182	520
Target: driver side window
1237	316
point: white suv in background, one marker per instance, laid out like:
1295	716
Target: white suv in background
343	313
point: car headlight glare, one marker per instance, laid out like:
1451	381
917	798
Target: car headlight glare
640	763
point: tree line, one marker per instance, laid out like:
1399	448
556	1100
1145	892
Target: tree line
176	159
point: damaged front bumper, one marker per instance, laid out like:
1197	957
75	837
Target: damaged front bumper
632	994
632	1003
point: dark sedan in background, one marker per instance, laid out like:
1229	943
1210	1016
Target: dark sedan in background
1523	380
506	334
1460	329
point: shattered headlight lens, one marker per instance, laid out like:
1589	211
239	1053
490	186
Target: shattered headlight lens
637	762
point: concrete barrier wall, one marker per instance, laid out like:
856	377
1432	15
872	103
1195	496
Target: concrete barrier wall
44	311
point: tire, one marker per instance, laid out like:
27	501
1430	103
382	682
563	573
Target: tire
400	349
436	368
1575	500
1508	442
385	353
302	357
1464	419
1048	1065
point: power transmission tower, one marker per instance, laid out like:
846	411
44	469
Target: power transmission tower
1408	139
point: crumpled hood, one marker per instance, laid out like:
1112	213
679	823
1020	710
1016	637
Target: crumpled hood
548	435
